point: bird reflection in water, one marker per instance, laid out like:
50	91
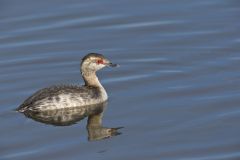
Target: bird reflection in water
70	116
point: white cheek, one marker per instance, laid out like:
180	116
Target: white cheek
96	66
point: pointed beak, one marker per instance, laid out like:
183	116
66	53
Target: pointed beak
112	65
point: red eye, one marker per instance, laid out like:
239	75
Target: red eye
100	61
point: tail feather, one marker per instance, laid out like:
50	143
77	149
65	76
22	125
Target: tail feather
21	109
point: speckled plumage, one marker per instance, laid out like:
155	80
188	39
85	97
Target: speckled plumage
64	96
67	96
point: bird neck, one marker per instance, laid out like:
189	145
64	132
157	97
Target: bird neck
91	79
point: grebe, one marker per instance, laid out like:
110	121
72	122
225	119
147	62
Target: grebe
66	96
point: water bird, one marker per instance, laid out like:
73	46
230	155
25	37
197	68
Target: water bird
67	96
